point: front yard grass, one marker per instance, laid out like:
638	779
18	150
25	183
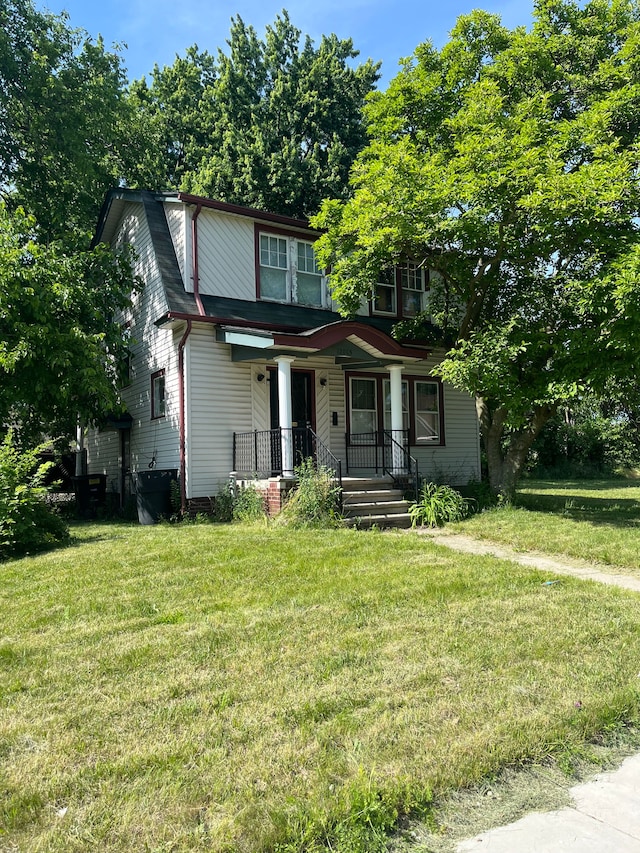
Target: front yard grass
246	688
595	520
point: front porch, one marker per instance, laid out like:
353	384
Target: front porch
276	453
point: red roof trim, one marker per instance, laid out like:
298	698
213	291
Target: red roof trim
262	215
317	339
336	332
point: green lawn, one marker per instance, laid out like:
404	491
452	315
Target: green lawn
227	688
592	520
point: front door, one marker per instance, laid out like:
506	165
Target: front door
302	410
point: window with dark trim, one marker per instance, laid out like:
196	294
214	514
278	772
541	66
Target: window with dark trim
385	300
369	408
401	291
287	269
158	399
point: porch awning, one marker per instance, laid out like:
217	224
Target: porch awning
347	341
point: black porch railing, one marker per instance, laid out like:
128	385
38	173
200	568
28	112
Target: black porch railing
384	452
259	453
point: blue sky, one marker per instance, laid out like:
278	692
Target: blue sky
156	30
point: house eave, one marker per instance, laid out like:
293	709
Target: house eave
249	212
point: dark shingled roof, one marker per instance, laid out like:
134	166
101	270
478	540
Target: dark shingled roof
178	299
269	315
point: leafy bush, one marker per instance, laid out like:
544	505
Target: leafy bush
596	438
315	502
437	505
27	522
248	505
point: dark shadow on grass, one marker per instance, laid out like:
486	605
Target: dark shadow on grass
581	485
97	535
618	512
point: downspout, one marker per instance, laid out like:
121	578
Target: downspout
194	260
183	436
181	346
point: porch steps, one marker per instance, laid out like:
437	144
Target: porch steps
375	501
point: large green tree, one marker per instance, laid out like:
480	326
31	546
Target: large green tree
273	123
65	138
172	120
65	119
60	351
508	161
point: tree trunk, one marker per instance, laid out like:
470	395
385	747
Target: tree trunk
505	463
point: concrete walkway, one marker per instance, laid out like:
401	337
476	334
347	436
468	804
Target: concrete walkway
605	817
559	565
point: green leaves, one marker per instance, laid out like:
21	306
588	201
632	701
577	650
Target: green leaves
65	125
26	522
509	162
274	123
60	343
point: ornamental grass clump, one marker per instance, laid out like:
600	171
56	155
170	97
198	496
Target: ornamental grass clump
438	505
315	502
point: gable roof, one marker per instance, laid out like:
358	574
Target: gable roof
293	326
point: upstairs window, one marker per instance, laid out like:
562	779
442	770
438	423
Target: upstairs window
401	291
288	271
309	276
385	298
412	281
274	268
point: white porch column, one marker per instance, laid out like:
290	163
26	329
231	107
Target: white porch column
284	412
395	382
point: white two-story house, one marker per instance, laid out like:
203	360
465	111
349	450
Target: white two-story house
241	365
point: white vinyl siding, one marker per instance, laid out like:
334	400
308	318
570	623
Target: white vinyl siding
226	397
103	456
226	257
458	460
219	404
153	442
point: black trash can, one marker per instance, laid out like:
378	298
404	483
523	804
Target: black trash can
153	493
90	491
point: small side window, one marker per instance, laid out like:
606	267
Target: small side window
158	401
427	409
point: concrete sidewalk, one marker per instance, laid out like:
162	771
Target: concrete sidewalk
605	818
